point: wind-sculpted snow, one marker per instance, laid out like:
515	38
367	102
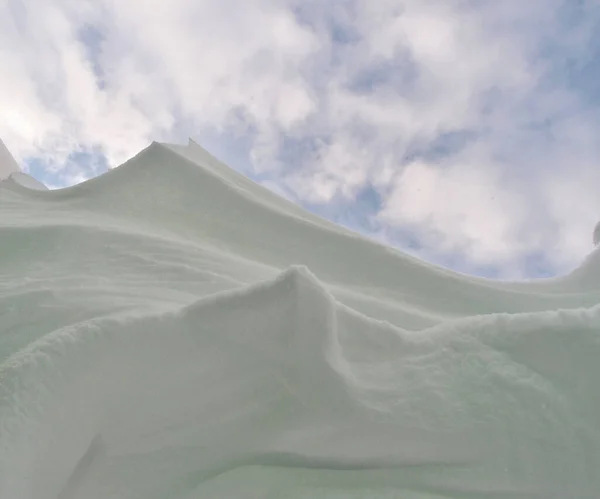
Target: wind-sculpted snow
172	330
26	181
8	165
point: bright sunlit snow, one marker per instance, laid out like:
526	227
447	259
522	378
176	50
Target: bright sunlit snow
172	330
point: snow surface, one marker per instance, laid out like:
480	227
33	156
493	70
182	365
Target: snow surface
8	164
25	180
172	330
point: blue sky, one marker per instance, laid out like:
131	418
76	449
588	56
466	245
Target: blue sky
463	131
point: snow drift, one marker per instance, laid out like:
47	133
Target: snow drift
172	330
8	164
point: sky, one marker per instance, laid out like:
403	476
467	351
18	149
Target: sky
462	131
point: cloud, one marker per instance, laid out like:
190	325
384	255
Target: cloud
457	209
464	118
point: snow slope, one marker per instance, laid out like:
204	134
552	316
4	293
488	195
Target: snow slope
8	164
172	330
10	171
24	180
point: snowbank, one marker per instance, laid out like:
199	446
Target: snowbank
171	329
10	171
8	164
26	181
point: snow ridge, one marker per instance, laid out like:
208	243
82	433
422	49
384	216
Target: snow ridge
171	330
8	164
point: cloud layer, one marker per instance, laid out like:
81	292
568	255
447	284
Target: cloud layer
465	125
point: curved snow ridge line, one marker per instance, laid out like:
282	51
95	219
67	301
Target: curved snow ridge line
285	292
299	325
158	175
164	187
299	296
8	164
297	292
20	180
193	205
104	363
253	191
279	369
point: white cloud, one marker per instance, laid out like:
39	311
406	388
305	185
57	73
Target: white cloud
161	61
459	209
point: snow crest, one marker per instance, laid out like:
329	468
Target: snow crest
172	330
8	164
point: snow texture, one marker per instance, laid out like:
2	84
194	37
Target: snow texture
172	330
